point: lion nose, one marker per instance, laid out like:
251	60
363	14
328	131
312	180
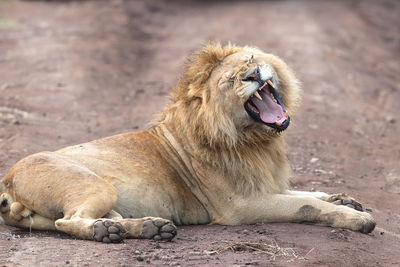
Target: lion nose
255	76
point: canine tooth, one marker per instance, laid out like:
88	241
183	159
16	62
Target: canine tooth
262	87
270	83
257	95
278	123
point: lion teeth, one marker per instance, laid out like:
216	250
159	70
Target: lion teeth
256	94
270	83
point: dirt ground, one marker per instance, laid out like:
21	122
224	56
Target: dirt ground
73	71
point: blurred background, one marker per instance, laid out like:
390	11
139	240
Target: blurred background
72	71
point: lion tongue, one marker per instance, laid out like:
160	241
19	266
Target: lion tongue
270	111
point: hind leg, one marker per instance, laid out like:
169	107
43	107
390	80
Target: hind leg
56	186
115	230
15	214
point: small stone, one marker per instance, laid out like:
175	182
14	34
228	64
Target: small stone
67	262
390	119
350	206
368	209
210	252
320	171
140	258
337	202
157	237
245	232
313	160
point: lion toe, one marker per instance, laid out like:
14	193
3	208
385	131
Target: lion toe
108	231
345	200
158	229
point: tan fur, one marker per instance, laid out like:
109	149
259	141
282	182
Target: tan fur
203	161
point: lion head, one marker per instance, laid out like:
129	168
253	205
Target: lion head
233	95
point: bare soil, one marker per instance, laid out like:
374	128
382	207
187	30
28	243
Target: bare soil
73	71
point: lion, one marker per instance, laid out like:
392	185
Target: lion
215	155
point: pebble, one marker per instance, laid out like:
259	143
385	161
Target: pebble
319	171
313	160
140	258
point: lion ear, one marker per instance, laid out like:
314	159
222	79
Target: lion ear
199	68
201	64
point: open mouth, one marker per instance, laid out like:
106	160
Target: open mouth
266	106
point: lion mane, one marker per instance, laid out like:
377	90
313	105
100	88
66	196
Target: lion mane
252	158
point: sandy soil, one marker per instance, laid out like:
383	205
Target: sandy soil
72	71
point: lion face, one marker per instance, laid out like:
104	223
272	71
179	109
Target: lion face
249	82
232	95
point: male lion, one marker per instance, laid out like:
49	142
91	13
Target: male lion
214	155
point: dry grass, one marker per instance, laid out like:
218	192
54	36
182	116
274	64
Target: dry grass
272	249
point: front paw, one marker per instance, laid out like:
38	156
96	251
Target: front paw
354	220
345	200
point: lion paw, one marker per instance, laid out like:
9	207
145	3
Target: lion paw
354	220
16	211
108	231
345	200
158	229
